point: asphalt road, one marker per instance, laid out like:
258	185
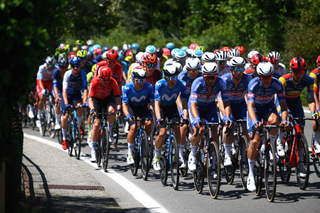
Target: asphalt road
133	194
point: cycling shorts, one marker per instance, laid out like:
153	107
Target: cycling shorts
139	112
101	105
209	113
72	99
295	108
239	111
171	112
62	105
46	85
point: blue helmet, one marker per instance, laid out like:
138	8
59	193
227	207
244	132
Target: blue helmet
135	46
170	45
91	49
75	60
180	55
96	46
197	53
63	62
151	49
104	49
121	55
184	48
174	51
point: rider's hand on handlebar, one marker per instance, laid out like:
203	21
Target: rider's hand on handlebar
286	124
158	122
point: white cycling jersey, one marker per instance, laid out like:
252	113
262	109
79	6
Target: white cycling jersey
44	74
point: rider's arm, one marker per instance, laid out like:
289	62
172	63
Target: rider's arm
91	103
251	112
85	95
125	109
227	108
55	89
118	102
179	102
284	110
194	110
65	96
185	109
157	109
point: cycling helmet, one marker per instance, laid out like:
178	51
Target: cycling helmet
215	51
112	55
73	54
129	46
180	55
159	52
200	48
63	62
134	52
50	61
272	59
166	51
275	54
104	72
82	54
193	46
193	63
150	59
116	48
139	73
298	63
251	53
237	62
210	68
96	46
139	57
128	53
79	42
91	49
265	68
97	51
105	48
121	56
84	47
170	70
197	53
221	55
233	53
208	57
170	46
318	60
241	49
75	60
226	49
125	47
184	48
89	55
90	42
257	58
61	46
151	49
173	52
135	46
189	52
179	66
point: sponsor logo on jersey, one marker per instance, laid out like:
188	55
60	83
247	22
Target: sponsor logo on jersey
194	95
250	95
135	99
236	93
264	97
167	98
293	93
311	87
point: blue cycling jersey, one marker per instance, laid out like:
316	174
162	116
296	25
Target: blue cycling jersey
74	84
186	78
125	66
224	71
236	95
264	97
201	96
167	96
57	79
137	98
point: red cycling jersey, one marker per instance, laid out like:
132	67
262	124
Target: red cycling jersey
156	75
116	70
97	90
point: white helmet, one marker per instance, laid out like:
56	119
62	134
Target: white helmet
125	47
138	73
61	45
251	53
139	57
265	68
237	62
193	63
197	53
233	53
90	42
180	55
221	55
150	49
189	52
116	48
170	70
275	54
210	68
179	66
50	61
208	57
84	47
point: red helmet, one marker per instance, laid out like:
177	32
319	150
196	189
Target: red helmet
241	49
97	51
128	53
318	60
71	55
112	55
166	51
216	50
193	46
105	72
257	58
298	63
272	59
150	59
226	49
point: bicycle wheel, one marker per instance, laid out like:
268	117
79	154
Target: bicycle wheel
83	125
43	122
284	163
106	149
270	171
258	175
199	173
164	170
77	138
69	138
51	122
32	123
151	148
243	160
115	131
186	153
59	136
228	170
302	162
100	147
174	163
144	150
213	169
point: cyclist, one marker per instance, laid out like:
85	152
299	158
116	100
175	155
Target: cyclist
254	61
74	81
163	58
275	64
315	74
232	53
237	86
279	67
90	43
241	49
138	62
208	57
250	54
125	66
202	105
167	91
44	82
135	100
221	60
84	65
188	75
103	90
261	106
293	84
149	64
79	44
57	89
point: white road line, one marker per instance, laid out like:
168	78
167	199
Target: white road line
141	196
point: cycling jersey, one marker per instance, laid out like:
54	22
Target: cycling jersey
74	84
44	74
89	78
125	66
224	71
281	70
315	74
156	76
136	98
87	67
97	90
116	70
57	79
163	59
167	96
184	76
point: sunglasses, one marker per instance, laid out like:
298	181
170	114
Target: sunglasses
210	77
238	69
171	78
193	71
265	77
50	65
139	80
75	65
222	62
151	65
83	59
63	67
104	79
297	71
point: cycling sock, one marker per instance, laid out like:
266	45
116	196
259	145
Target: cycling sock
181	150
130	147
39	114
273	139
281	135
157	153
251	167
227	148
79	120
89	129
194	150
64	134
110	125
58	116
93	145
